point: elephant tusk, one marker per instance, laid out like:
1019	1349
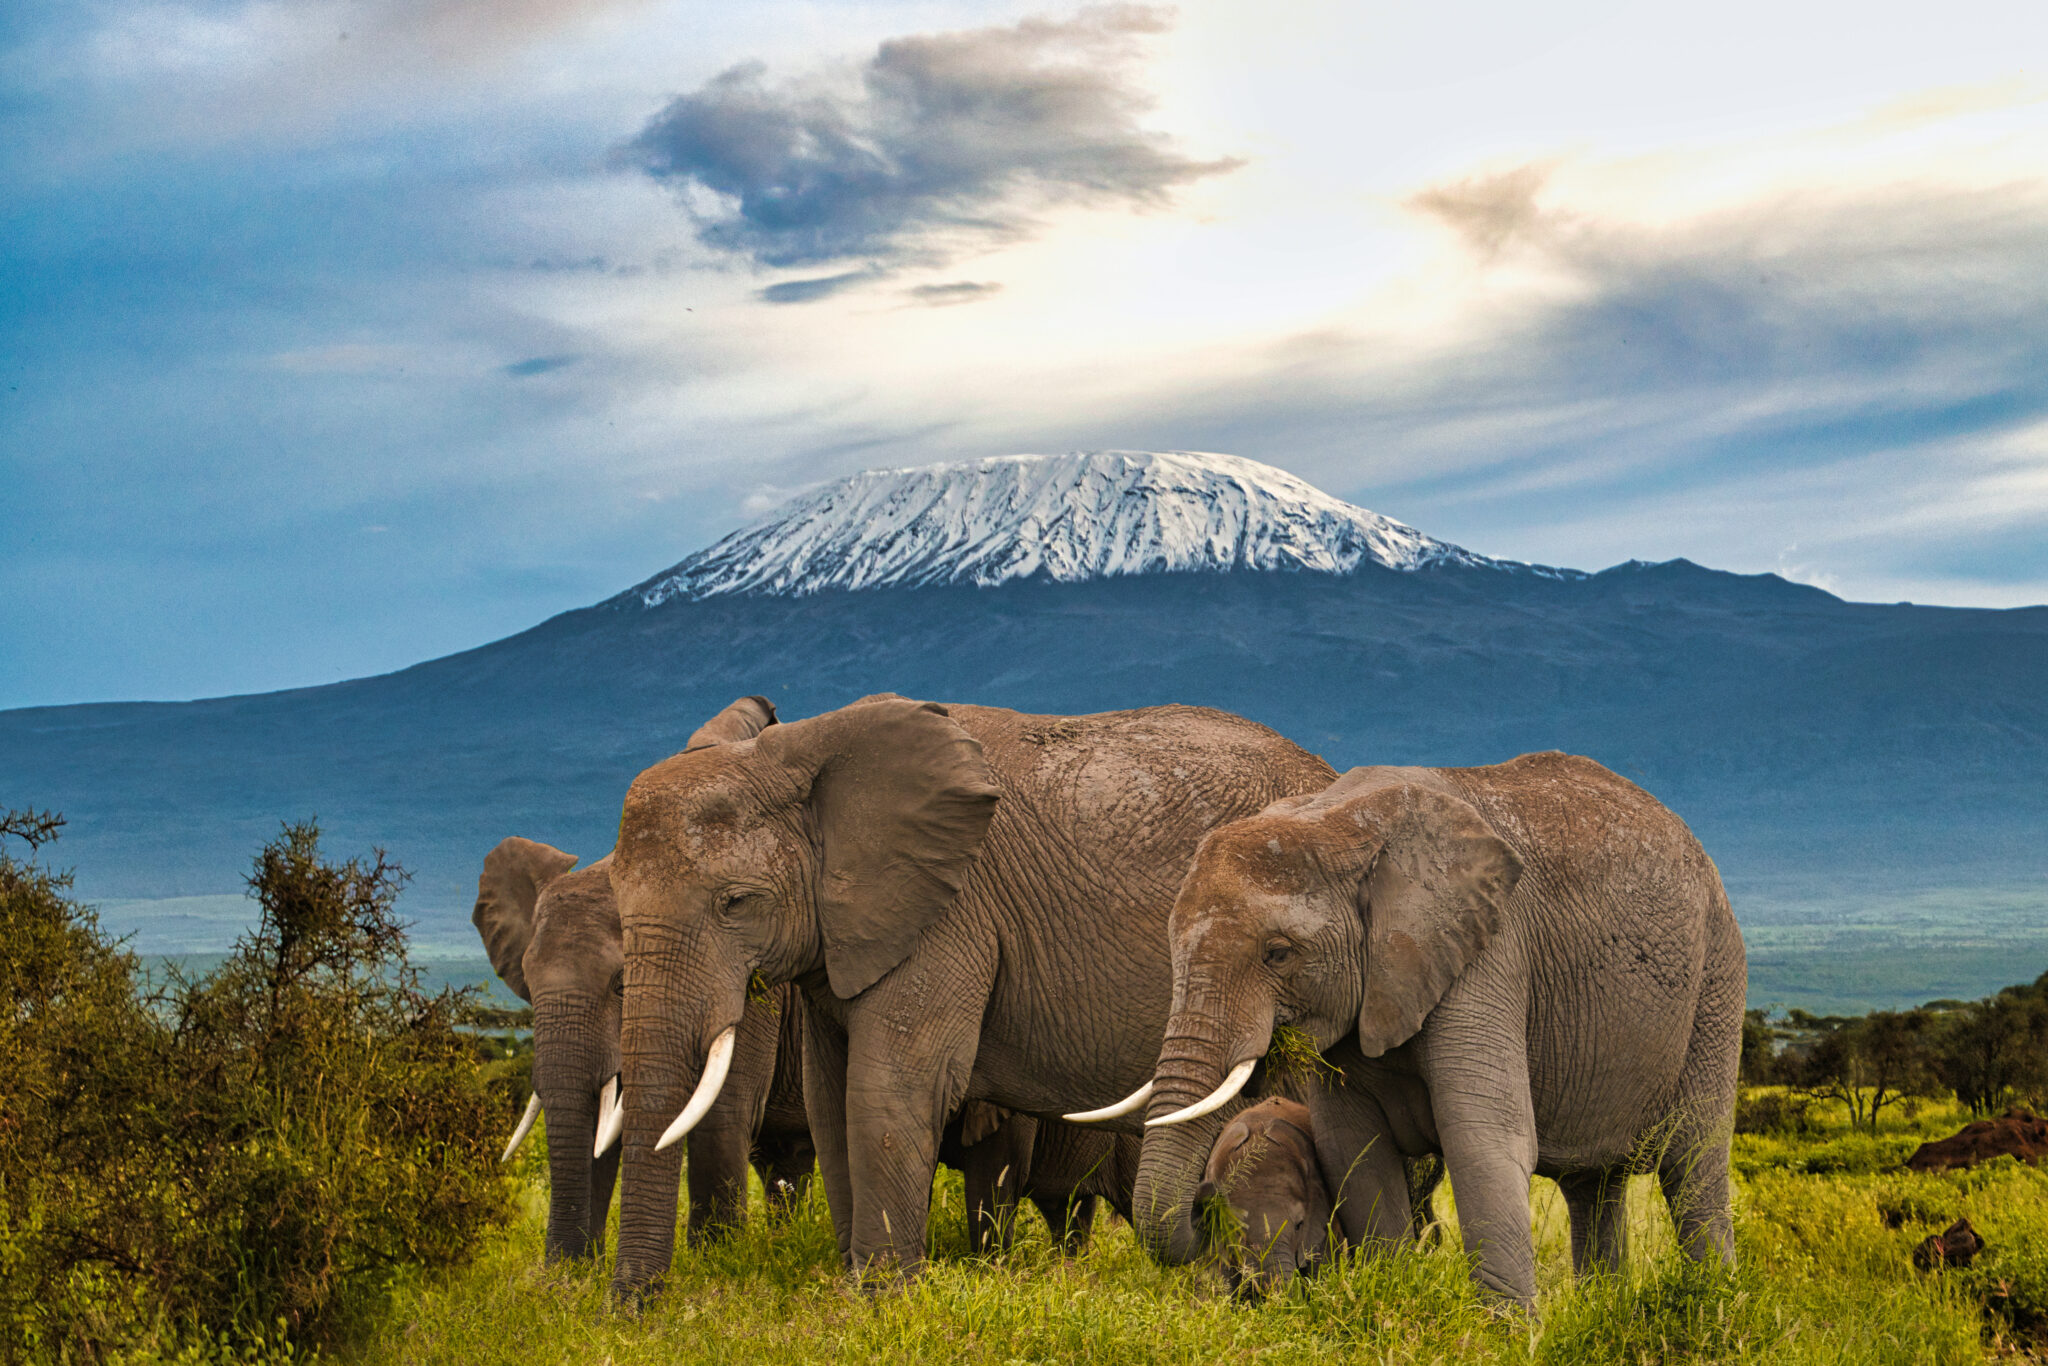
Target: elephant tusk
611	1117
1135	1100
1215	1100
716	1064
525	1126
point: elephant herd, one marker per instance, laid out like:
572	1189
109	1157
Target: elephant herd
1055	952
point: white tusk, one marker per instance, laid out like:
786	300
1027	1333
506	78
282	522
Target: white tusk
611	1117
525	1126
716	1064
1134	1101
1215	1100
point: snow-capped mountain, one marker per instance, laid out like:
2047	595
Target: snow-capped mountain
1083	515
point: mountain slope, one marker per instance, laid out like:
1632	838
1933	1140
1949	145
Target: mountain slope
1067	518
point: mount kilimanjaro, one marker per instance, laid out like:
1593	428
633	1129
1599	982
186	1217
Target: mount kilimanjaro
1830	754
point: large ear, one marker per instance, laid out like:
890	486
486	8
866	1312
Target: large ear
741	720
1436	877
902	799
514	874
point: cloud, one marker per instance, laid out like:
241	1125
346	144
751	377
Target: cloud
539	365
815	288
955	292
1488	211
940	143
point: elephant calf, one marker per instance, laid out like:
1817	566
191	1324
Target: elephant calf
1063	1169
1263	1206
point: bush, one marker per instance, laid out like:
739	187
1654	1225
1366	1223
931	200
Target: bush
254	1154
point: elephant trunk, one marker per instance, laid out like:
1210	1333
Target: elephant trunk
1200	1049
666	1045
574	1223
568	1060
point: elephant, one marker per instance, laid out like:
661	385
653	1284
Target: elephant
1530	967
973	901
1263	1207
1063	1169
1263	1189
553	937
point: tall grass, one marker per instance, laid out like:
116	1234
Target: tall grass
1823	1280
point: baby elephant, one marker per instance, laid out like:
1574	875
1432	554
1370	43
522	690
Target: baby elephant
1262	1202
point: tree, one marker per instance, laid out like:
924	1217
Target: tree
1866	1062
271	1143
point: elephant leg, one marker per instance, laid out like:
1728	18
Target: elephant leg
1693	1167
1425	1174
1071	1219
784	1163
900	1088
1366	1177
1489	1143
825	1055
1598	1204
994	1170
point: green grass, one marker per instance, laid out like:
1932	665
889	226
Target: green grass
1823	1280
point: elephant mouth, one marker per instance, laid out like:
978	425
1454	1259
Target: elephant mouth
611	1119
717	1064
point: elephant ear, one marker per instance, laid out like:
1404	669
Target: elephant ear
1435	880
902	800
514	874
741	720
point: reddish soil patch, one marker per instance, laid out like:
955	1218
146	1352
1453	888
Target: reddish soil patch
2021	1133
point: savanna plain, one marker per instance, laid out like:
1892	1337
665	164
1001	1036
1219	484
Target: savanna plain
1826	1224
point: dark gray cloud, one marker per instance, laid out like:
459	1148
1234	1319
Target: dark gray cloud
953	292
815	288
944	141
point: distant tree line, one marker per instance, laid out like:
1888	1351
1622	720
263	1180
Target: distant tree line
1988	1054
244	1159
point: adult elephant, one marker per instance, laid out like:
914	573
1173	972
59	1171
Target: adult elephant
1528	968
973	900
553	937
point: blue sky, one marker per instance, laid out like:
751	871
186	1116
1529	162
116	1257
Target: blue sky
338	334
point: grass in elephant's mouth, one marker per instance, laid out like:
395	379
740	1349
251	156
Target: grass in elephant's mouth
1293	1055
1824	1282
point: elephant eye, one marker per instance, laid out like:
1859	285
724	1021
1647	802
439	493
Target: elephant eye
1278	952
619	984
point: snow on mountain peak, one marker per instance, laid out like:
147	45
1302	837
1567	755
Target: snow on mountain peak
1083	515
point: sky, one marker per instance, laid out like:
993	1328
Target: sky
341	334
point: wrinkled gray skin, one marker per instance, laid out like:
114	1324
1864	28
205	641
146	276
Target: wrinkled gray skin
1527	968
973	900
553	937
1063	1169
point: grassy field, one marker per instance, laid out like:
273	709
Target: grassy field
1823	1279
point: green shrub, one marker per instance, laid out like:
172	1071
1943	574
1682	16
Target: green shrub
246	1159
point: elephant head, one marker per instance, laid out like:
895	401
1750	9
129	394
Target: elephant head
821	846
1263	1206
553	937
1348	912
